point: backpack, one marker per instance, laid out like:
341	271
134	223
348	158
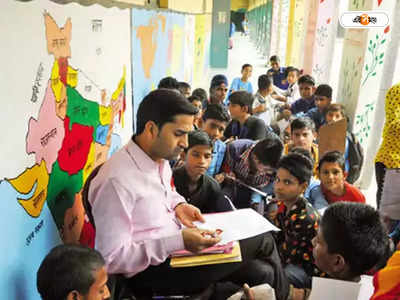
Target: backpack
355	157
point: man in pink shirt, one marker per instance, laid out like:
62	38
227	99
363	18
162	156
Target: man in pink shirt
138	214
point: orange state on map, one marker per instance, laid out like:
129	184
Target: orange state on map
148	42
58	39
75	147
24	183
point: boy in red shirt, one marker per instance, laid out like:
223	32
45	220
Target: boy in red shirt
334	186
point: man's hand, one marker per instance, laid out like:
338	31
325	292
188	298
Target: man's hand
187	214
196	239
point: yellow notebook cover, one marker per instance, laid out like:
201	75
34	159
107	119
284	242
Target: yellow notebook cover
208	259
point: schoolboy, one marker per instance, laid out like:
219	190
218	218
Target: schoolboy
185	89
307	101
243	124
263	103
296	218
353	153
252	163
196	102
292	93
215	120
351	240
302	134
202	94
242	83
191	180
218	89
334	186
277	73
168	83
323	98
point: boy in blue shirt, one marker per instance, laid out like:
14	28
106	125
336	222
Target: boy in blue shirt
215	120
307	101
278	73
323	98
242	83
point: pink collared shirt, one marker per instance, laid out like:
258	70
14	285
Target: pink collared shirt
133	206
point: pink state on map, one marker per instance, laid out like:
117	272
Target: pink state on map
45	135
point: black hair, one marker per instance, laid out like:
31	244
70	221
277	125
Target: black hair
217	112
246	65
269	150
291	69
161	106
303	152
67	268
242	98
324	90
301	123
264	82
168	83
193	98
335	107
298	166
201	93
198	137
274	58
355	231
184	85
332	157
217	80
306	79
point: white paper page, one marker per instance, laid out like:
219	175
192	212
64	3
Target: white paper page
237	225
367	287
332	289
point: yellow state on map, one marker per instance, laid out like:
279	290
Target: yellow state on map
72	77
105	114
24	183
56	84
89	166
120	87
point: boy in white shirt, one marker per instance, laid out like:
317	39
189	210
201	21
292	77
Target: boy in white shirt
263	105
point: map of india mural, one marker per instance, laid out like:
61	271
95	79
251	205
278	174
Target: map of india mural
71	135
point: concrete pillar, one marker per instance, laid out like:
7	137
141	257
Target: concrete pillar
283	30
220	33
295	33
325	40
274	27
387	72
310	32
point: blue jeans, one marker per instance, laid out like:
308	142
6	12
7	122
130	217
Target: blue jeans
297	276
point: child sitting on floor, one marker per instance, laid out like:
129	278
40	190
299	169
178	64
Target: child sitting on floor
296	218
334	186
215	120
351	240
302	134
242	83
191	180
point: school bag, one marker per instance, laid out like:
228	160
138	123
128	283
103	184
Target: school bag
355	157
